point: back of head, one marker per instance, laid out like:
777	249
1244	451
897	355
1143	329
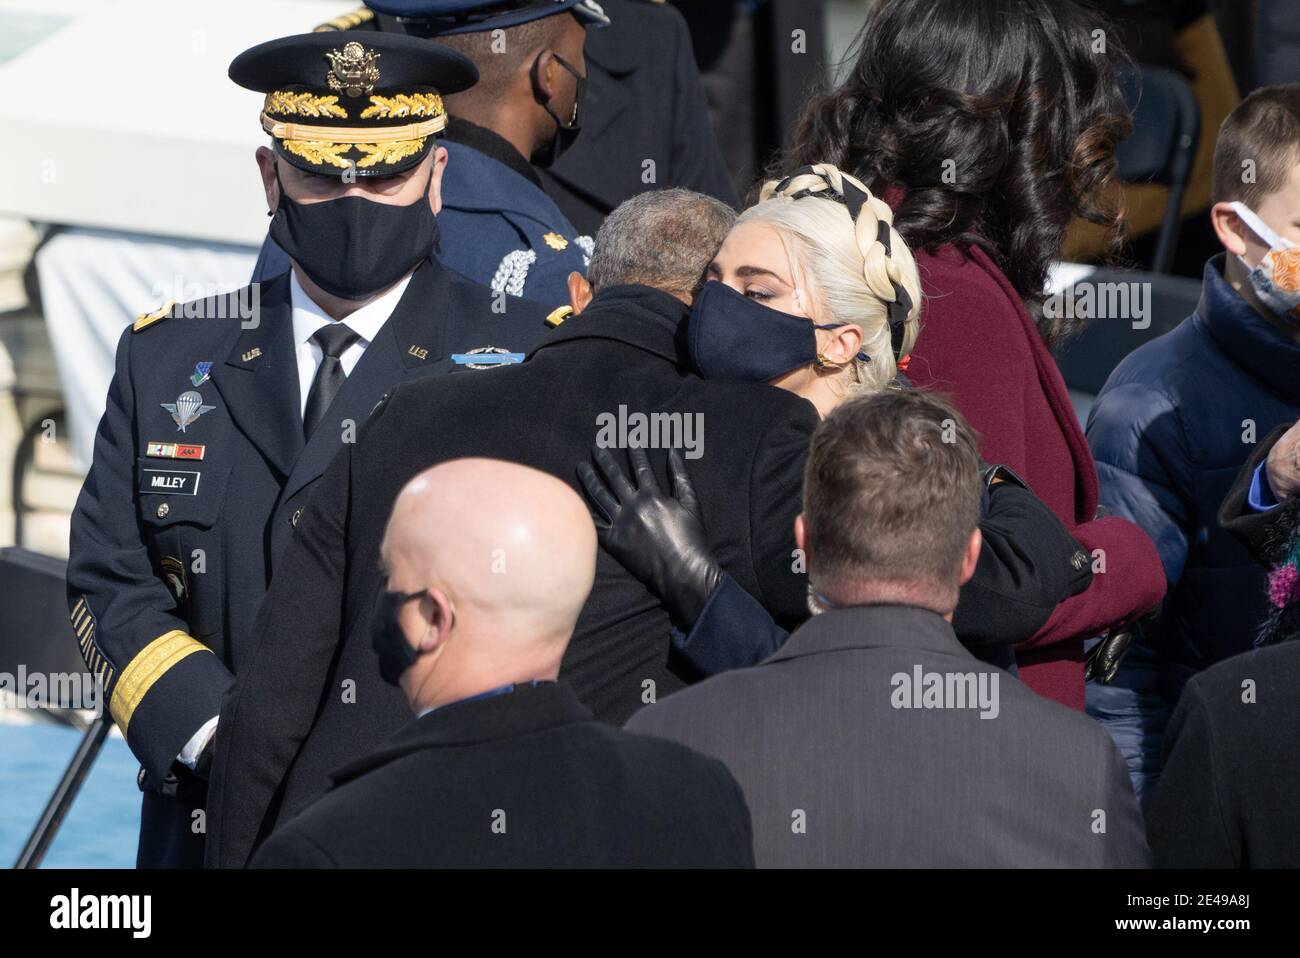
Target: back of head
891	497
851	269
1258	145
661	238
1000	118
513	548
501	55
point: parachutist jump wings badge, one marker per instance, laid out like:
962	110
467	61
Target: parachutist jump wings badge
188	407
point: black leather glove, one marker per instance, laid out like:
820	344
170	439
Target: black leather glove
659	539
1103	659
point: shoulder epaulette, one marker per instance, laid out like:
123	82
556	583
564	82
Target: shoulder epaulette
145	320
347	21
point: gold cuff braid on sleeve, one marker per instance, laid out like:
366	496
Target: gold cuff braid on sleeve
149	665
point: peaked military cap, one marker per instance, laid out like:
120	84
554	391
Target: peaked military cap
368	102
446	17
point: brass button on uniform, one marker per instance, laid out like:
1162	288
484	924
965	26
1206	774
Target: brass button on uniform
163	509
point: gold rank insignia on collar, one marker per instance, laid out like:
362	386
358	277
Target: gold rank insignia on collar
555	241
145	320
558	315
252	354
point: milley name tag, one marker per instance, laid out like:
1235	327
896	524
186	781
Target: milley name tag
178	482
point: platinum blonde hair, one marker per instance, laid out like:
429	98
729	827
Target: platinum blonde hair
842	264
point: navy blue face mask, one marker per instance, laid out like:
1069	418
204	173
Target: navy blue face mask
396	655
732	337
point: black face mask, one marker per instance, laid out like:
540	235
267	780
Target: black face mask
732	337
396	655
353	247
565	133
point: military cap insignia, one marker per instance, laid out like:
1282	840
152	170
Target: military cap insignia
352	70
555	241
145	320
188	407
404	104
371	108
288	103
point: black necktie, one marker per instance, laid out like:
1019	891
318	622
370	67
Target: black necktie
333	340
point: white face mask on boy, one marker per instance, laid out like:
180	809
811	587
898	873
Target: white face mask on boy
1276	280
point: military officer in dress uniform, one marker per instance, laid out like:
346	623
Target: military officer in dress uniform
498	225
645	117
223	413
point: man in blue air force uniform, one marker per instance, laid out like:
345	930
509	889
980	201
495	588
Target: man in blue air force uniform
223	413
498	226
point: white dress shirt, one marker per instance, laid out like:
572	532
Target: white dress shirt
308	317
366	322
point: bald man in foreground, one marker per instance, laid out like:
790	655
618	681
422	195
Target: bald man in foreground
503	766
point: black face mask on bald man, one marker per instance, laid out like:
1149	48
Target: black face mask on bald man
354	247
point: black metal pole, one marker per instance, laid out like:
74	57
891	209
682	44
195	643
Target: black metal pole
64	795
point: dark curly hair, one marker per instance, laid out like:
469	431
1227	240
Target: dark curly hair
999	118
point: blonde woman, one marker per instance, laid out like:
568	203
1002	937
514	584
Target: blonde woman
814	292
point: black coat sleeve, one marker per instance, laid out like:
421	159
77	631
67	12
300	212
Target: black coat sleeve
1264	533
776	491
269	710
162	683
1026	567
1188	823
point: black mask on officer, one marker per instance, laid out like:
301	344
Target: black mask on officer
565	133
396	654
353	247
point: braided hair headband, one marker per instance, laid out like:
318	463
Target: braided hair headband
831	184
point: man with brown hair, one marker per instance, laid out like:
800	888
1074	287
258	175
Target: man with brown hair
873	738
1179	416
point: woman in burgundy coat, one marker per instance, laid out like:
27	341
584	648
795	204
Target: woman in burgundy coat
987	126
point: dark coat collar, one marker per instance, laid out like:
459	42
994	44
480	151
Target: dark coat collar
640	316
1253	343
490	143
478	721
871	627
